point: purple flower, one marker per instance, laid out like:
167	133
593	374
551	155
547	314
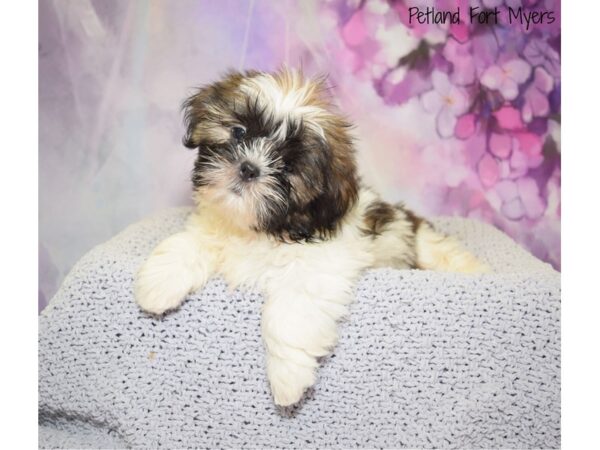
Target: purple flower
446	101
536	95
508	118
507	77
460	55
488	170
400	85
539	53
501	145
466	126
485	51
354	32
516	152
520	198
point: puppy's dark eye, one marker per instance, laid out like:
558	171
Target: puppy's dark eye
238	133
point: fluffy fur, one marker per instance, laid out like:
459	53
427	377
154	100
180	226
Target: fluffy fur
280	207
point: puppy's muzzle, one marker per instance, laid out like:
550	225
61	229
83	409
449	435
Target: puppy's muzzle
248	171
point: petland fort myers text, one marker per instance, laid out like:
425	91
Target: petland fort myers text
475	14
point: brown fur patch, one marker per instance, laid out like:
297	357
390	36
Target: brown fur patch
377	216
330	198
344	179
414	220
208	112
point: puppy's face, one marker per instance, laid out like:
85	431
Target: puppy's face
272	154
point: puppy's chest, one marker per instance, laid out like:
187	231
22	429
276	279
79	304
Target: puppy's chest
259	262
252	261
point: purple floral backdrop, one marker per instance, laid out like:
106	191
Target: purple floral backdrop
456	119
490	99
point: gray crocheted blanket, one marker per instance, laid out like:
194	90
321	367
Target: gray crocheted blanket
424	360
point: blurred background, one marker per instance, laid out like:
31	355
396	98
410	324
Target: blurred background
451	119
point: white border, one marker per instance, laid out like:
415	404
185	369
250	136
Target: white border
580	146
19	237
580	194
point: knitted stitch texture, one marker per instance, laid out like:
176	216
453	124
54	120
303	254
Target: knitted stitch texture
425	359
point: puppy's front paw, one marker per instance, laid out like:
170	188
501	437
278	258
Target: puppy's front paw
159	287
288	380
172	271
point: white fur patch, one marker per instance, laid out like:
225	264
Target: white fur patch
307	287
283	105
247	202
174	269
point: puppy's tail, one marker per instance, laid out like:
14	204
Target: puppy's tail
435	251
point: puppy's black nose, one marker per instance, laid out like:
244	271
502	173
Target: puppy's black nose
248	171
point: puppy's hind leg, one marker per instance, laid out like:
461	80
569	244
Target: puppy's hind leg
435	251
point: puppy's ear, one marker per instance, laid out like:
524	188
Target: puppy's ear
207	110
341	188
195	110
342	185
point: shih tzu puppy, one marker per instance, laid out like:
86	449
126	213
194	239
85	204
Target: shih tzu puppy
280	207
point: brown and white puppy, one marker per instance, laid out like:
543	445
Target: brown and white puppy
280	207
